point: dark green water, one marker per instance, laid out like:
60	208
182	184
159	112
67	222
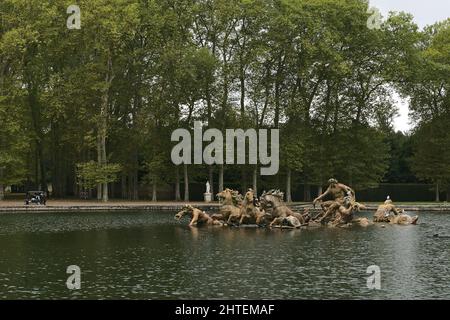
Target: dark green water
141	255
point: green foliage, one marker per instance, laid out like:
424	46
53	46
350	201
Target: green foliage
399	164
426	80
90	174
431	160
137	70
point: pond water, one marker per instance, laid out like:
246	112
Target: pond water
139	255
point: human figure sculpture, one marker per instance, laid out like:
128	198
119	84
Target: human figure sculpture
208	187
344	212
338	193
198	217
289	222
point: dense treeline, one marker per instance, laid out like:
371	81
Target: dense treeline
81	109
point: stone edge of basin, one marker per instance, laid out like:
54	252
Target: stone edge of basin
86	208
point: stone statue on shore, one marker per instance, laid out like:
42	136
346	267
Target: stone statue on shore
207	194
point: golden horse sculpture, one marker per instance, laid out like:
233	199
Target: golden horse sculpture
271	208
250	212
231	205
272	203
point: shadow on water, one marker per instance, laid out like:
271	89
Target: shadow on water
151	256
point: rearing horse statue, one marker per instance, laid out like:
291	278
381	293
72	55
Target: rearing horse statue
272	202
250	211
231	205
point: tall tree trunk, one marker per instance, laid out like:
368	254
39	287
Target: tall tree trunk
307	192
186	183
242	104
211	179
288	186
278	84
102	188
36	122
135	195
124	186
113	190
154	191
43	183
63	176
335	117
101	157
244	180
99	192
103	124
255	179
277	181
105	195
36	170
319	190
99	160
438	199
177	184
266	97
130	186
242	84
221	178
135	185
225	80
208	104
56	187
2	188
75	187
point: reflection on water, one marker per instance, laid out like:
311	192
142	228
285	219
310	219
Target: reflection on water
151	256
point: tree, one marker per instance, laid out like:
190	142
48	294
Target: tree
137	70
13	145
431	159
91	173
292	155
427	84
426	81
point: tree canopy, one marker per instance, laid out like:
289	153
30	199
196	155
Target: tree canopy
97	105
